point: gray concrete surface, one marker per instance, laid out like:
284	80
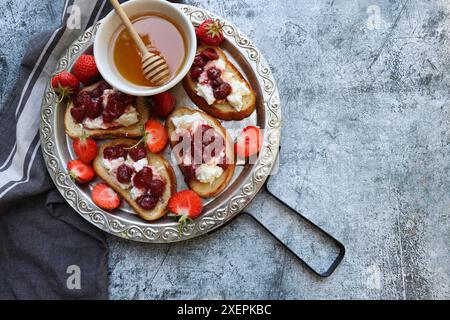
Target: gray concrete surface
366	144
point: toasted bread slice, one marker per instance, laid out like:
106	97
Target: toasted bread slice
223	110
164	169
136	130
206	190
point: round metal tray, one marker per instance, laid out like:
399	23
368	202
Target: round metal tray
247	180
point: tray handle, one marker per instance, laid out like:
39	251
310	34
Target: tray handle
290	242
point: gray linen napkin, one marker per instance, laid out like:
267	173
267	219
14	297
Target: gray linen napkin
47	251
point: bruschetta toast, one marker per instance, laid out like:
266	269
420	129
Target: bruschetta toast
102	113
217	87
208	176
145	180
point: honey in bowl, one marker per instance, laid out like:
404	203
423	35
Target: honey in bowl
162	33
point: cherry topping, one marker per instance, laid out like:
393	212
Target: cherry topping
189	172
222	91
209	135
78	113
196	149
215	83
214	73
196	72
114	152
81	99
127	99
113	111
157	188
116	105
147	202
205	130
223	165
143	178
99	89
124	173
210	54
137	153
93	108
106	117
199	61
117	99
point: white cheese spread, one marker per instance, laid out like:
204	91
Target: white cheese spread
129	118
206	172
239	88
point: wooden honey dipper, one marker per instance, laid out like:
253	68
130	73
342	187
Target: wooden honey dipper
154	66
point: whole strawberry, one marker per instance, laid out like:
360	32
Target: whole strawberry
210	32
163	104
65	84
85	69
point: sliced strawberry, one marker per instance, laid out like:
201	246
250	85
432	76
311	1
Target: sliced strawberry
248	142
85	69
186	205
163	104
85	148
105	197
156	136
80	171
65	84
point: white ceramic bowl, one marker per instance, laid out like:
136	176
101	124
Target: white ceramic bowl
108	27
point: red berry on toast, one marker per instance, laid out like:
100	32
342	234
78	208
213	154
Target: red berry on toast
210	54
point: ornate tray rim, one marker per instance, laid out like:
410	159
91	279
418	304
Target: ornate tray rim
144	231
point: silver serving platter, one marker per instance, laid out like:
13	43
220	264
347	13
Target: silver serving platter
247	180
